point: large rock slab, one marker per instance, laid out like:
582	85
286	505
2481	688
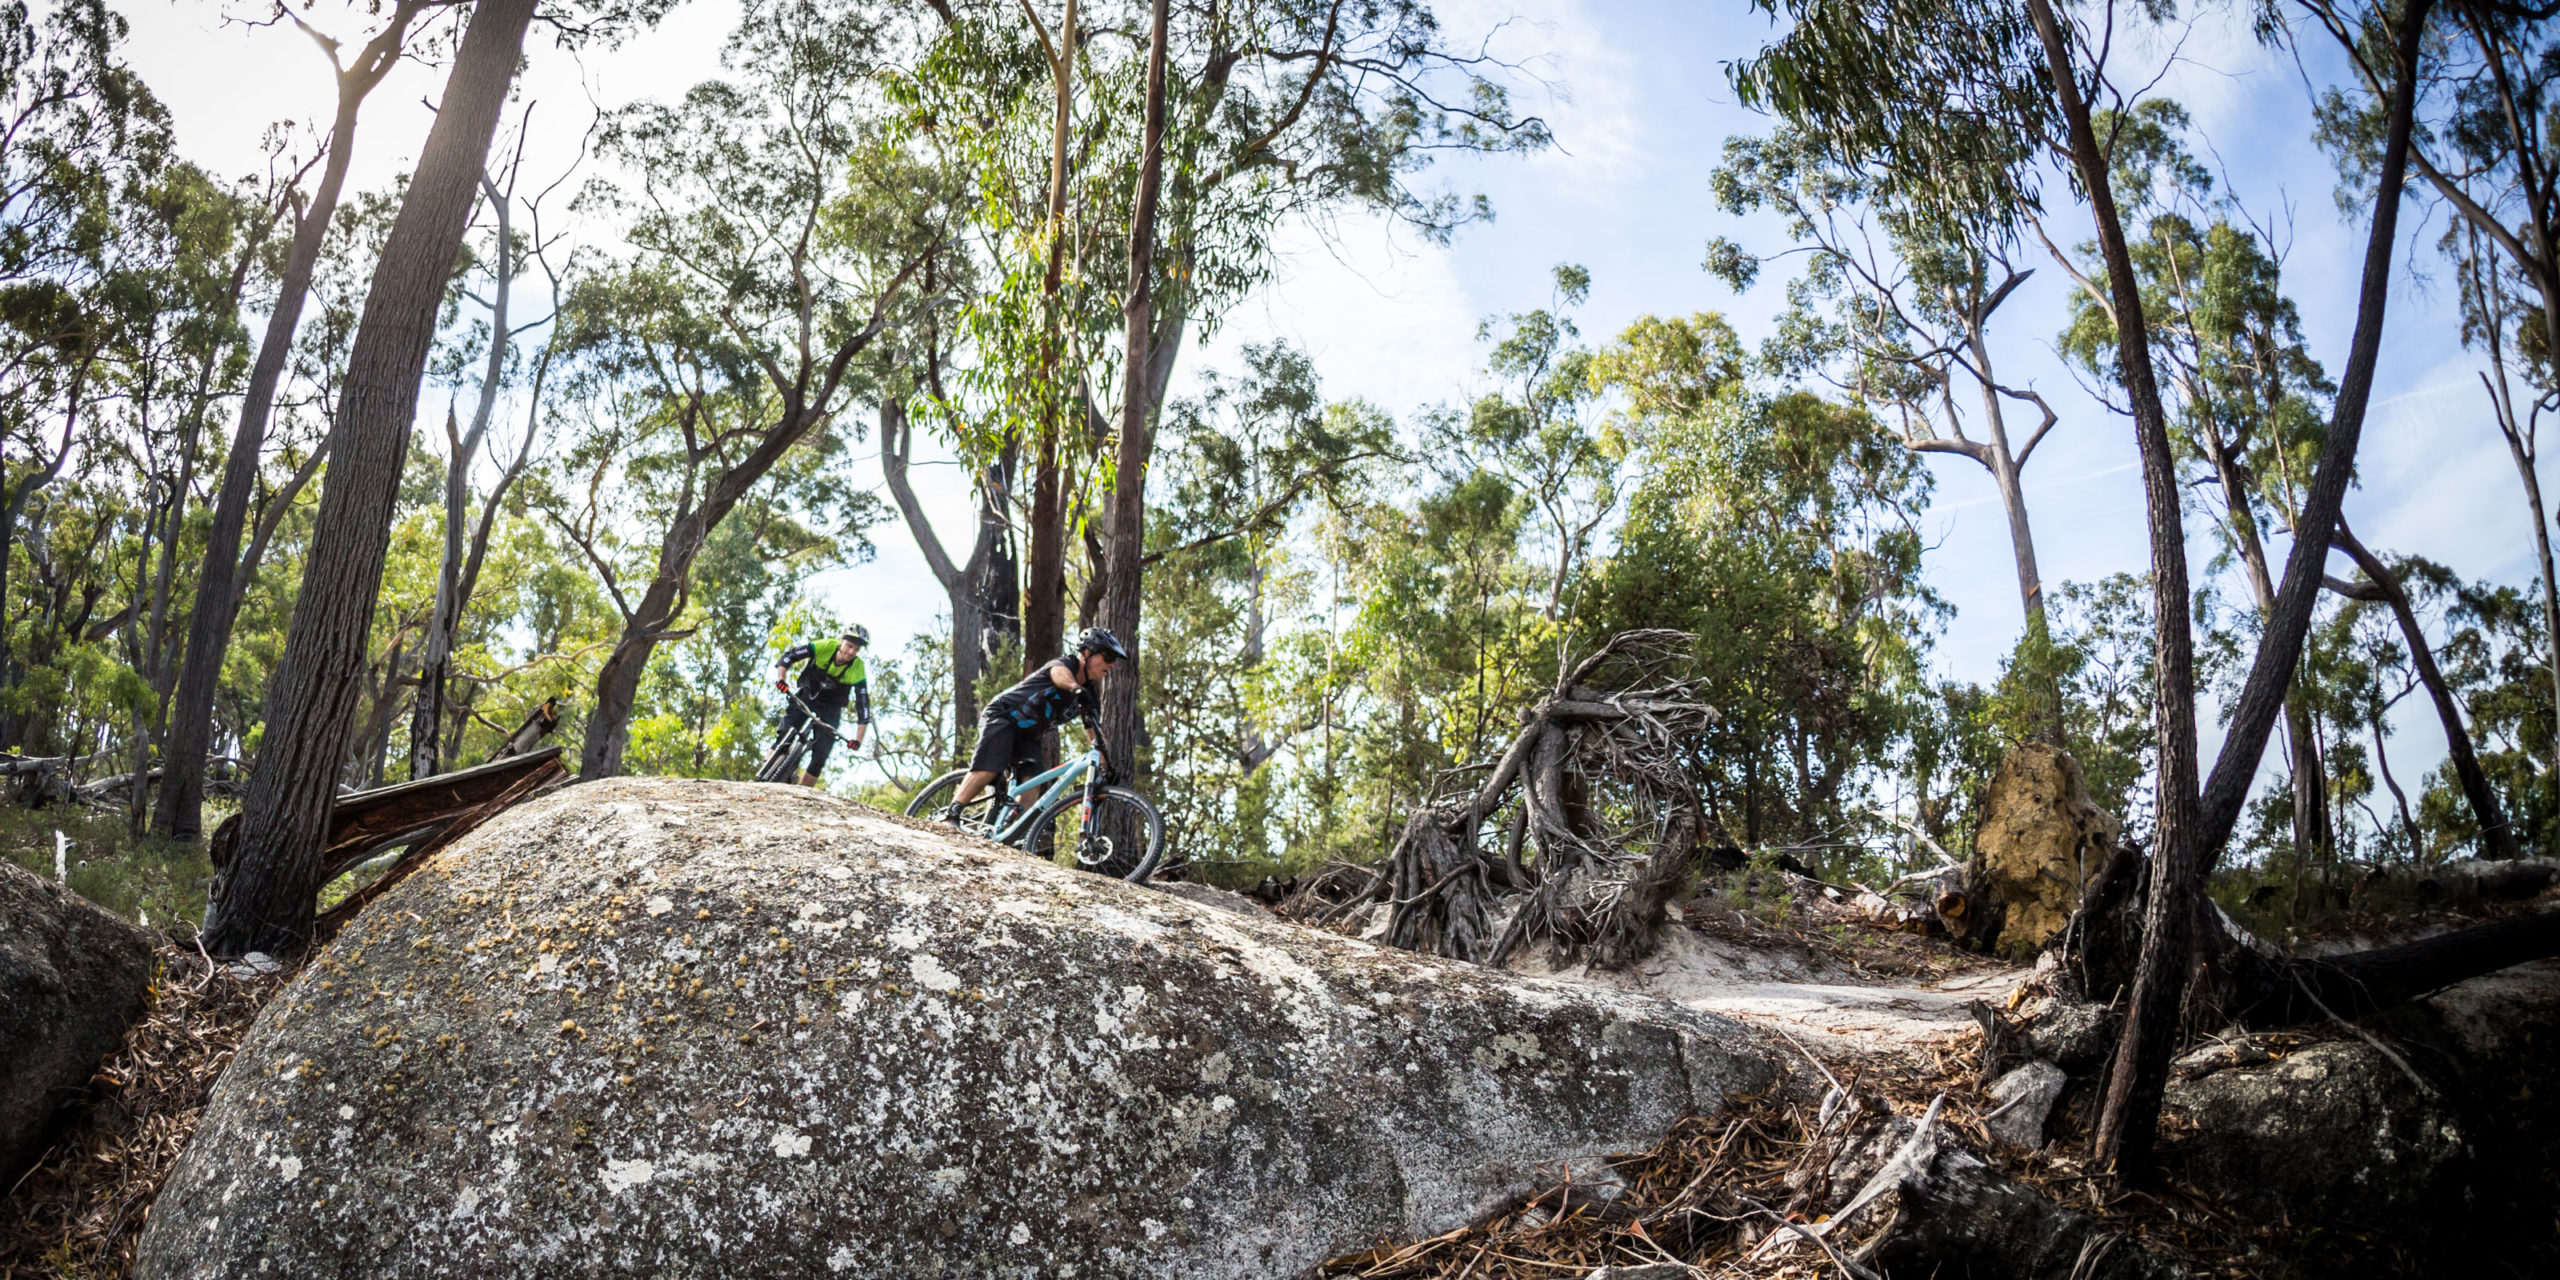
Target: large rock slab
72	978
671	1028
2452	1138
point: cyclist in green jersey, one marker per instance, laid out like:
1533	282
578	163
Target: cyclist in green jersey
831	672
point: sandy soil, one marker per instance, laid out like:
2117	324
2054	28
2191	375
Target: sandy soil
1856	991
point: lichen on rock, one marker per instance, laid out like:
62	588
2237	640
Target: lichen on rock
662	1027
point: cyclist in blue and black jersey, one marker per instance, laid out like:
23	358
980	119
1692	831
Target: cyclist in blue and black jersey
831	672
1062	689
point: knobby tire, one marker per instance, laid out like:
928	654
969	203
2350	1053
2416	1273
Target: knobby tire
1078	828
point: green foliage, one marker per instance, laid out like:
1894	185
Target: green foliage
1776	526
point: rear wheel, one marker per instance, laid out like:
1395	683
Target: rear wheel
977	817
1119	835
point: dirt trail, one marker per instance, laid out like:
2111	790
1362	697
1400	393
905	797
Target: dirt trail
1891	993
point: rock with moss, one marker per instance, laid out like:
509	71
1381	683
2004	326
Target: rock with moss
72	978
2042	839
672	1028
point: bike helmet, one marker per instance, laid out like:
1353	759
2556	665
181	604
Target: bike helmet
858	634
1097	640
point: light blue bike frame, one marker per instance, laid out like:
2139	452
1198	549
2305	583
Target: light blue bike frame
1060	779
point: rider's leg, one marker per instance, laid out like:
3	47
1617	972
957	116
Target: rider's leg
996	749
823	742
973	784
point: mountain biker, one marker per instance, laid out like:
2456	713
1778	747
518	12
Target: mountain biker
1009	733
831	671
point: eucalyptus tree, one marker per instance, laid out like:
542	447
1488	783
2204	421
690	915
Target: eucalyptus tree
2492	319
2247	401
263	894
1942	89
1230	686
982	586
184	349
517	243
1537	432
1275	110
1895	304
778	221
1272	109
1779	528
179	812
2484	149
79	135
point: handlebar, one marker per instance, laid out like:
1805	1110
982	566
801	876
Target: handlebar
809	711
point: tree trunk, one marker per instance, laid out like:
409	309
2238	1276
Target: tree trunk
264	896
2191	834
1044	601
2013	496
2522	452
2497	838
2132	1104
618	680
435	657
221	577
2311	828
960	582
1122	595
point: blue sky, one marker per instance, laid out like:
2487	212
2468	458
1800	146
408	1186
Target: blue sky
1636	94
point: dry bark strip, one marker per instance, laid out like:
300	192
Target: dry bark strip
547	773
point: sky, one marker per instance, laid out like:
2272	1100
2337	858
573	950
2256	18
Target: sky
1636	94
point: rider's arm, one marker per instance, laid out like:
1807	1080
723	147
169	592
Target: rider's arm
790	658
861	712
1058	675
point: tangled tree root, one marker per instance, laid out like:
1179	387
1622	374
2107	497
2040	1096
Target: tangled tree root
1603	798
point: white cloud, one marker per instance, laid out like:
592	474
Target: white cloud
1382	314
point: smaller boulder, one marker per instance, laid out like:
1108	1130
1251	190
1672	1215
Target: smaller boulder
2075	1035
2041	841
72	978
2021	1101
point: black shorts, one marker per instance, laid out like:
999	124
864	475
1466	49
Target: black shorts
1005	746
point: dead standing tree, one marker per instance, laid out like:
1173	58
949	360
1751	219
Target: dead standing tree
1613	815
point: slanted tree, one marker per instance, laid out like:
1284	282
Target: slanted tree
222	573
265	890
1895	306
2483	148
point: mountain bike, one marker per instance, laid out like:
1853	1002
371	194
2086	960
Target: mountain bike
782	764
1111	830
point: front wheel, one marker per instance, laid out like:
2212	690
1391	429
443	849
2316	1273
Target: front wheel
784	760
1119	835
977	818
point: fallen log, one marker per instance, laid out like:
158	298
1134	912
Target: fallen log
2481	880
364	823
2244	979
529	782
